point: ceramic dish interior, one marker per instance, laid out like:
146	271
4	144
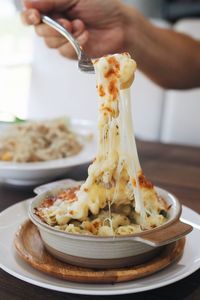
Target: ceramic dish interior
97	252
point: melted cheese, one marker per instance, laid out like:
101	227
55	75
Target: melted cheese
115	177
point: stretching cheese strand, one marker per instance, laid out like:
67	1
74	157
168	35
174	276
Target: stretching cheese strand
113	176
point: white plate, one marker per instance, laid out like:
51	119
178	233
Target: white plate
13	216
39	172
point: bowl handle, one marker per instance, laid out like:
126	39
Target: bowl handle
165	235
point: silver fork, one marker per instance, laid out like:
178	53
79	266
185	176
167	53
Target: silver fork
84	62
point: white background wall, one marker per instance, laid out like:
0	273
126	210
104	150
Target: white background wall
181	115
59	88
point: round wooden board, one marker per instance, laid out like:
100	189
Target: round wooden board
30	247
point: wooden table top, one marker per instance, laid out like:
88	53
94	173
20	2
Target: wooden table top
175	168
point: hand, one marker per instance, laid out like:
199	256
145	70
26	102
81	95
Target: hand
98	25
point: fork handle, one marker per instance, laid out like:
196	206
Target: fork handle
52	23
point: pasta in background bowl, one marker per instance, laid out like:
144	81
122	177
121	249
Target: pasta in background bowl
34	173
36	141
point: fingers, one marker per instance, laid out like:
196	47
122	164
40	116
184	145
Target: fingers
31	17
46	31
67	50
55	40
82	35
77	27
83	38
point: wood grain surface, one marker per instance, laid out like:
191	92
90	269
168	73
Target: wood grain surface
176	168
31	249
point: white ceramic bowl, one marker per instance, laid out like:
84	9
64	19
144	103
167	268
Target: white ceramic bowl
27	174
109	252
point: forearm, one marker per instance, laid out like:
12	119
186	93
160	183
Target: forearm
170	59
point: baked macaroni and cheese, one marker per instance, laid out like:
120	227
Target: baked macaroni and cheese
116	198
